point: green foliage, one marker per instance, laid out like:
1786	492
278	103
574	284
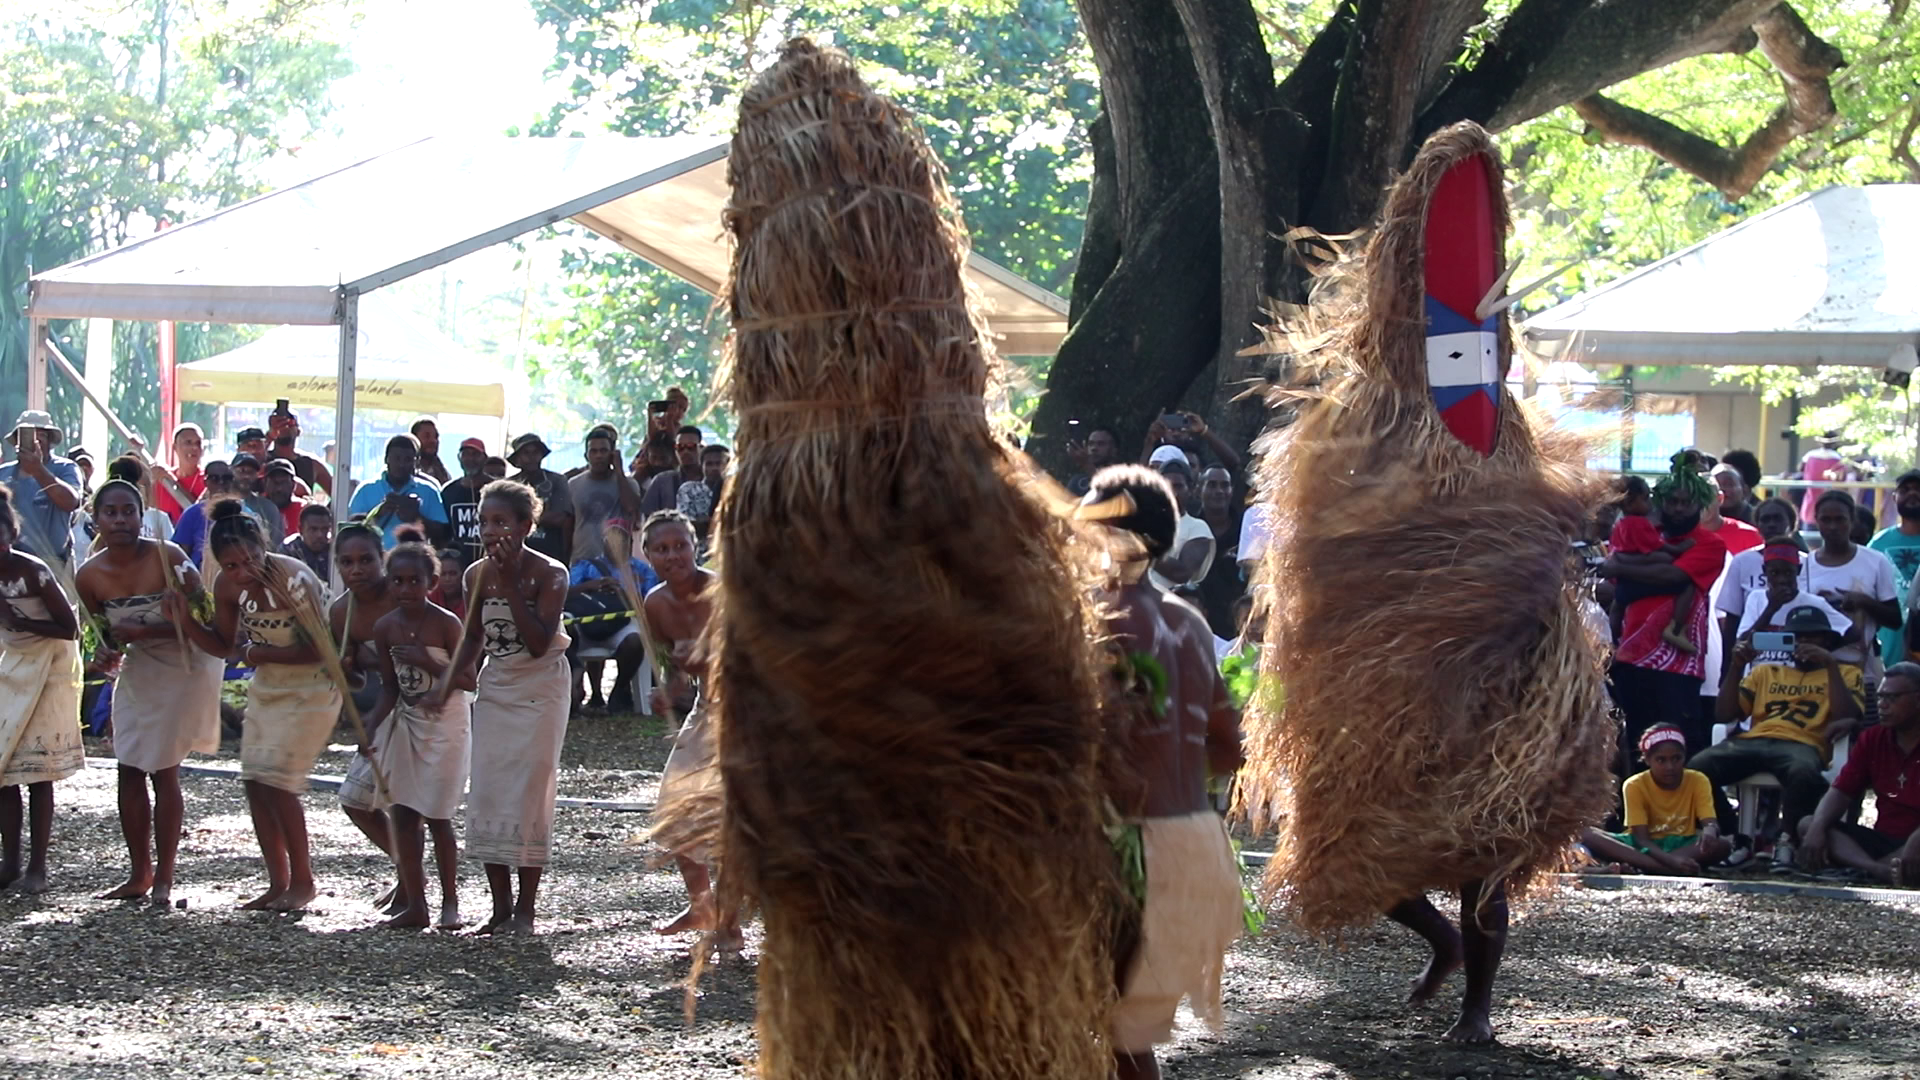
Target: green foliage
113	118
1615	207
1005	89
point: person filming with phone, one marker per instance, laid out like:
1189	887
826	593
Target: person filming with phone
1799	700
46	486
1190	433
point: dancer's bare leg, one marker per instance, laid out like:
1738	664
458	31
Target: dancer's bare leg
10	822
1420	916
136	828
500	886
1483	934
698	914
375	826
273	846
409	841
446	859
169	812
40	828
522	921
292	821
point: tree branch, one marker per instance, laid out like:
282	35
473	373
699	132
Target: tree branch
1805	63
1552	52
1903	149
1370	123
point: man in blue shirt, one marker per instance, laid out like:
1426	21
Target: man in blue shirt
399	497
46	487
597	575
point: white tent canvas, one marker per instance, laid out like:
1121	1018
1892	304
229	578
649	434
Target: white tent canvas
1829	278
403	364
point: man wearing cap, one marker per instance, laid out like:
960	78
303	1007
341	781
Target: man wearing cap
1798	705
399	496
276	486
46	487
428	433
1885	758
313	474
553	533
1785	589
461	499
188	448
246	481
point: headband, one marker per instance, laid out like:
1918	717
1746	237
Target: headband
1663	733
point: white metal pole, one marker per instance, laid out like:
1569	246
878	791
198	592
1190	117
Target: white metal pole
343	402
36	364
99	379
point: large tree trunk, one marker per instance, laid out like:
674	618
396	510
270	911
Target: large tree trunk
1203	162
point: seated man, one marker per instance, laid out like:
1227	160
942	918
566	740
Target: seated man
1670	820
1885	758
594	590
1798	706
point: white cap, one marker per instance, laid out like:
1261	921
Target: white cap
1166	452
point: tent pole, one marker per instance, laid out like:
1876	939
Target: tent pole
343	403
36	364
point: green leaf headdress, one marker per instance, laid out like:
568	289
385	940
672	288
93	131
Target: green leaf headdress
1684	481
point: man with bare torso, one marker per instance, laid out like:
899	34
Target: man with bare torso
1184	731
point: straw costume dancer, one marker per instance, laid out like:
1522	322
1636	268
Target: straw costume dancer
902	691
1443	723
39	703
274	604
422	751
166	701
520	710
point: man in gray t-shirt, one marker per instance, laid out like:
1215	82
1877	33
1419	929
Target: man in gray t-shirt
600	493
46	487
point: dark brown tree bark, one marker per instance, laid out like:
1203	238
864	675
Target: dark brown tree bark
1203	161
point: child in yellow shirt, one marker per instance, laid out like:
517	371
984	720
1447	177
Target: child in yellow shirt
1670	820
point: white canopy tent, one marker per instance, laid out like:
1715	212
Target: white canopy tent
404	364
307	253
1828	278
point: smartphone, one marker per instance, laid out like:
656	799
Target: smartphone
281	407
1173	421
659	408
1769	641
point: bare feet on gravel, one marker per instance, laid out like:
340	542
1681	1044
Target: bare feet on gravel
449	918
1434	976
134	889
296	898
31	883
1471	1030
519	924
692	917
493	925
410	919
264	901
162	895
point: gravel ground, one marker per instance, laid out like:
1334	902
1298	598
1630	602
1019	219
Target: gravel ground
1636	982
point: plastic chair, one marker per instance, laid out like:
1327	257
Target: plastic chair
1746	793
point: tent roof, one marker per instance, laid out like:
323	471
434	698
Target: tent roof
1828	278
286	257
403	363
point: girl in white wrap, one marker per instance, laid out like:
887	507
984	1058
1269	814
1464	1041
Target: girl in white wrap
422	751
39	701
166	701
292	702
520	712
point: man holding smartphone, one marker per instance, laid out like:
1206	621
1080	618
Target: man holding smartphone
46	487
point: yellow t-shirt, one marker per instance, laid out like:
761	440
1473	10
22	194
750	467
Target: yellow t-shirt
1787	703
1668	813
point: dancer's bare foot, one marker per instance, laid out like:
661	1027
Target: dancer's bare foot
1443	963
519	924
491	926
163	894
695	916
410	919
265	900
134	889
32	883
449	918
296	898
1472	1029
